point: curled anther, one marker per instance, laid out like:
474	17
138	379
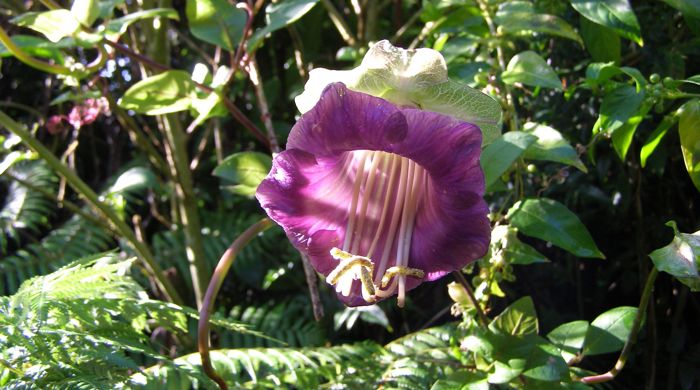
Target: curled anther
401	271
353	267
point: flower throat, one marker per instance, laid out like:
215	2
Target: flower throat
388	190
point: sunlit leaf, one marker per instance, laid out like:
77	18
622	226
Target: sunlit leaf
551	146
521	17
617	108
623	135
551	221
117	27
246	170
680	258
54	24
609	331
216	21
689	131
167	92
615	14
655	138
530	69
519	318
569	337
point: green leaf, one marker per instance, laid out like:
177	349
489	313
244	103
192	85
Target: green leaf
693	79
617	108
216	22
413	78
601	42
246	169
38	47
680	258
168	92
54	24
521	17
500	155
689	8
530	69
615	14
504	372
599	73
504	238
85	11
569	337
544	363
623	135
656	137
519	318
280	15
609	331
463	380
117	27
689	131
551	221
551	146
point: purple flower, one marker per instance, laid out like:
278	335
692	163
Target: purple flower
379	197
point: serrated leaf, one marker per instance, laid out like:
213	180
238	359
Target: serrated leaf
655	138
280	15
216	21
617	108
116	27
530	69
551	221
609	331
521	17
54	24
551	146
519	318
412	78
615	14
689	131
680	258
168	92
500	155
246	169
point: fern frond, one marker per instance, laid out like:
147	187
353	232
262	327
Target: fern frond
23	209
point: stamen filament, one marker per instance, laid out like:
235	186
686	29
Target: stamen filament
353	205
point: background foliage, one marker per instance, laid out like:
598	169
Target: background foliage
136	134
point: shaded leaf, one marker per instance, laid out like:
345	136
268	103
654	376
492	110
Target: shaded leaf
521	17
617	108
601	42
497	157
216	22
117	27
689	131
551	221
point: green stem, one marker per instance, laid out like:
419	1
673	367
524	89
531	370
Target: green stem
176	153
483	319
254	75
215	283
29	60
339	23
92	198
624	355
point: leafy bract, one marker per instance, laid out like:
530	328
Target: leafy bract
530	69
409	78
680	258
550	220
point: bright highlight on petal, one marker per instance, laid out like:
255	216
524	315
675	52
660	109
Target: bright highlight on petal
380	198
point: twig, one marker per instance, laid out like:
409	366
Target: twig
91	197
311	281
215	283
339	23
620	364
483	319
254	75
